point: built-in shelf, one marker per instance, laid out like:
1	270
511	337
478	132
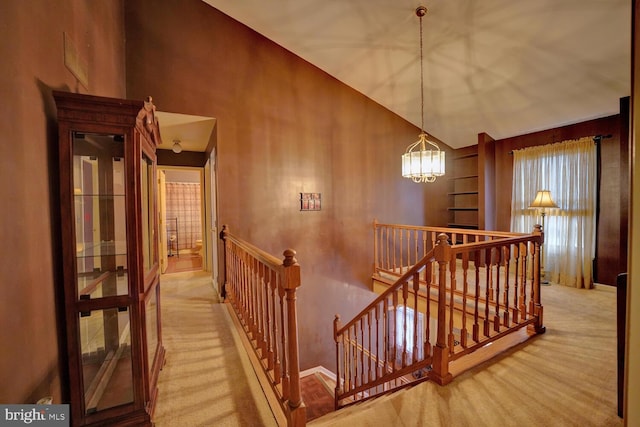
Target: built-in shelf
464	177
463	193
466	156
466	226
460	193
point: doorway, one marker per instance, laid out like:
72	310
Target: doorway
181	212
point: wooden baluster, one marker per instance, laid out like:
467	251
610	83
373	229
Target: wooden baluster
361	352
348	371
476	302
507	259
273	346
394	321
498	261
427	317
283	340
465	291
376	371
424	243
271	325
516	296
524	248
487	291
370	355
336	337
440	364
416	288
452	288
405	295
387	248
376	237
262	312
490	265
385	335
394	247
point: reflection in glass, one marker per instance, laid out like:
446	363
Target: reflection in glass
99	205
151	313
105	341
146	183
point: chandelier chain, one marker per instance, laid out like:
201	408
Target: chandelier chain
421	80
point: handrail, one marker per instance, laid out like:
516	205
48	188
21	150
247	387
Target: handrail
452	301
261	289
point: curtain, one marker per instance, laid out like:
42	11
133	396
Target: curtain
183	209
568	170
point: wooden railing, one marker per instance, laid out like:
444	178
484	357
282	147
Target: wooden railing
262	291
443	302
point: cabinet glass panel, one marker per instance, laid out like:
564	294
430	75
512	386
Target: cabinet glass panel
151	317
99	207
105	341
146	183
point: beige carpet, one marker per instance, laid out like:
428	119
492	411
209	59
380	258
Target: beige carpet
206	381
565	377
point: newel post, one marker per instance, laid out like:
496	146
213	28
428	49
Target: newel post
297	414
536	309
223	236
440	362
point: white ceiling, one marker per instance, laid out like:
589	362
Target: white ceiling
192	132
504	67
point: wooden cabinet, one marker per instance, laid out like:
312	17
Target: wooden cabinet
110	257
463	195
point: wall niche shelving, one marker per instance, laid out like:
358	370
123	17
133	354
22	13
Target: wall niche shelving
463	194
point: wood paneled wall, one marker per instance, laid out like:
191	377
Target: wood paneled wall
284	127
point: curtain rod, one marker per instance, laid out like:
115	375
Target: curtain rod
596	139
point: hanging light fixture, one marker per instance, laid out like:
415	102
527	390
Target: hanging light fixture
423	161
177	148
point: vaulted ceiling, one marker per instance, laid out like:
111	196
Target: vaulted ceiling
504	67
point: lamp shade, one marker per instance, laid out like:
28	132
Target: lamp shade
543	200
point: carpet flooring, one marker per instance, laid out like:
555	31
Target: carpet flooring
565	377
184	262
207	380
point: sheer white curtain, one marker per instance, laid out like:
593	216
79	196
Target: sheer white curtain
183	203
568	170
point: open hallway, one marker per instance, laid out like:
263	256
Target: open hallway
207	380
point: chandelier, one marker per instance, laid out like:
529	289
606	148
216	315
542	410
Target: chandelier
423	161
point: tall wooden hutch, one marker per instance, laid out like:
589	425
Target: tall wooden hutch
107	154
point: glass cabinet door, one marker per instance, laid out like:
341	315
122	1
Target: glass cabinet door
100	215
105	339
99	189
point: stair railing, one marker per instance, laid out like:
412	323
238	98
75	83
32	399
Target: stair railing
451	302
261	290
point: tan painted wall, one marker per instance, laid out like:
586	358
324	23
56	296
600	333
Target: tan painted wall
284	127
32	64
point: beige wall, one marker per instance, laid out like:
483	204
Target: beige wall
32	65
284	127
